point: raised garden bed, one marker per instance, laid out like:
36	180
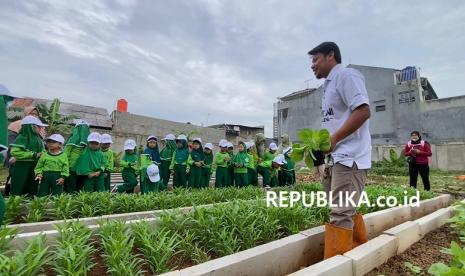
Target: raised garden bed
420	256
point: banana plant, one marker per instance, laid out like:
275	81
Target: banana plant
311	140
57	123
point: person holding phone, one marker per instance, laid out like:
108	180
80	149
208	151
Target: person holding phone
418	153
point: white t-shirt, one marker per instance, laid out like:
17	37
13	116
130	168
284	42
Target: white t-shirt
344	91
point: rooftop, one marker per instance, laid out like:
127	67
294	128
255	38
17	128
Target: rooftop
95	116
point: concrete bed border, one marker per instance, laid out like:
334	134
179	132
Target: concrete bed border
290	254
389	243
294	252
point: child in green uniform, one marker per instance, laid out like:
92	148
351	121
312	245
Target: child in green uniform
288	169
166	155
91	165
196	161
263	168
73	149
130	164
52	168
207	167
222	160
151	180
150	156
4	99
277	165
251	168
241	162
271	169
108	160
179	162
27	149
231	165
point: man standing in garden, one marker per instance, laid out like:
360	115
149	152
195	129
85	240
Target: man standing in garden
345	110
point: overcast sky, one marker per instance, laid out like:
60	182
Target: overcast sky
214	61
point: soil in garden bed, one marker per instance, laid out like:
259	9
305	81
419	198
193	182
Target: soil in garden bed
423	253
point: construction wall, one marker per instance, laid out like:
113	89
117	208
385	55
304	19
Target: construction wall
446	156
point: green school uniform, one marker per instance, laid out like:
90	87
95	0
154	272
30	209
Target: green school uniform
73	149
109	165
241	162
265	169
3	143
288	170
252	171
207	170
146	185
89	162
231	169
130	169
179	165
25	149
3	123
195	172
51	167
222	170
166	155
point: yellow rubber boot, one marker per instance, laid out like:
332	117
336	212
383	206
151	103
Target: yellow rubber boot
360	235
338	240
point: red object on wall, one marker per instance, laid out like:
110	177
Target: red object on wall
122	105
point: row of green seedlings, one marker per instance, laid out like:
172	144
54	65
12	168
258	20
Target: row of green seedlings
71	255
66	206
94	204
177	241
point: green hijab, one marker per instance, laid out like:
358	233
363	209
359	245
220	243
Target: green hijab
79	136
131	158
3	124
28	139
167	151
241	156
89	161
182	153
198	154
208	158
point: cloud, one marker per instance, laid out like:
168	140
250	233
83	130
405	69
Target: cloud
222	60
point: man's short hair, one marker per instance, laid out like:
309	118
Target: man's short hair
325	48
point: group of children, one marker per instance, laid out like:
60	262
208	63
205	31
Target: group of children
242	168
85	162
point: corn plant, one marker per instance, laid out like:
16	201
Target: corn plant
73	251
64	207
37	209
6	235
14	208
95	204
190	250
117	243
28	262
157	245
